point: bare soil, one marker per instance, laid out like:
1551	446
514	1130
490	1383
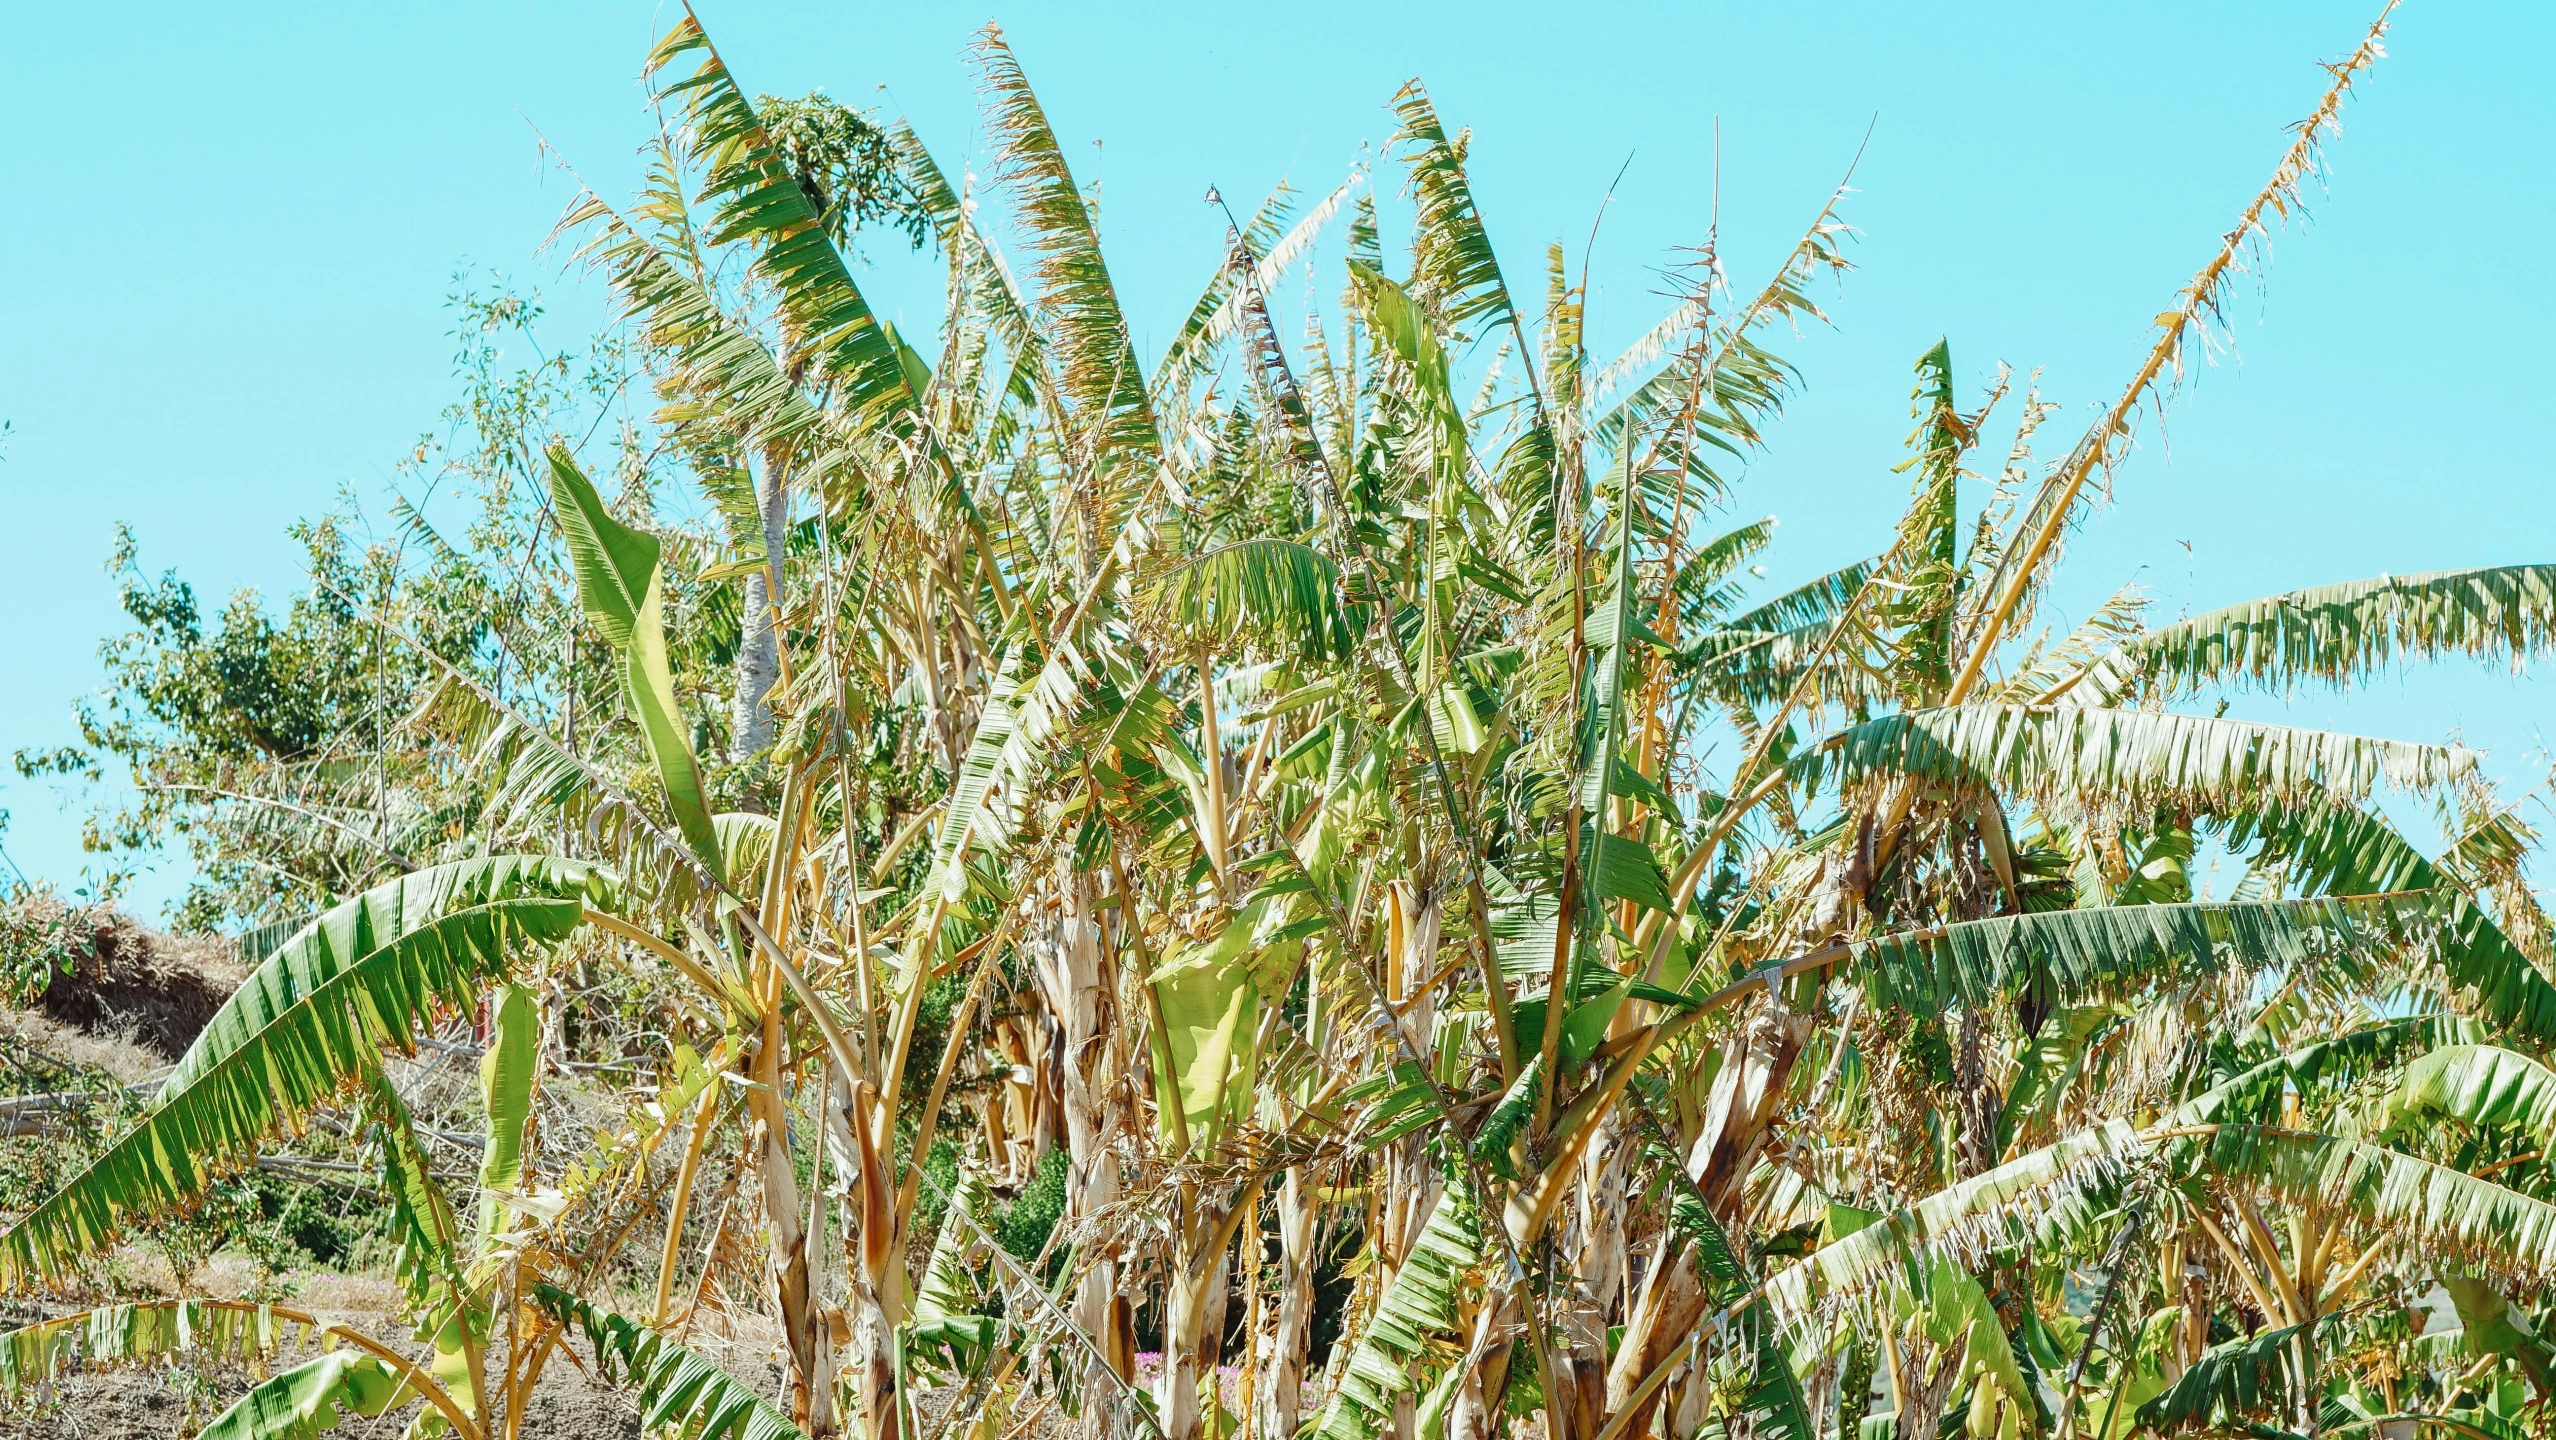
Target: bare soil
131	1002
128	1005
174	1401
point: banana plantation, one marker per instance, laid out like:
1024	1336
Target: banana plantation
980	883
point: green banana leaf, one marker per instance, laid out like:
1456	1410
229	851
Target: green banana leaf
621	588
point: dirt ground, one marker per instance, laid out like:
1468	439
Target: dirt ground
174	1401
174	1404
131	1003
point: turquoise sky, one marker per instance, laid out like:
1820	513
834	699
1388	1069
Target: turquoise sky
230	234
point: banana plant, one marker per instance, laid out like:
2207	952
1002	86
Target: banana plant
312	1023
1343	791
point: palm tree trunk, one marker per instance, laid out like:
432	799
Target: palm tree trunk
1746	1100
1475	1414
785	1226
1193	1324
1282	1371
1980	1107
1663	1313
874	1266
1596	1244
1687	1414
1974	1094
1281	1392
759	649
1747	1097
1406	1168
1072	979
1923	1394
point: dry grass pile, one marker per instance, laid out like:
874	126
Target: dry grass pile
111	975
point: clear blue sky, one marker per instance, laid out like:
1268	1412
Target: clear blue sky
230	233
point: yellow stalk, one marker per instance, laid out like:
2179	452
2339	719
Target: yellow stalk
1659	1376
905	836
908	1192
689	968
2272	1264
1216	834
2199	301
2351	1275
684	1175
2241	1264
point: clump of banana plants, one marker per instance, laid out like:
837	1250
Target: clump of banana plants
1322	830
